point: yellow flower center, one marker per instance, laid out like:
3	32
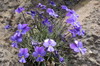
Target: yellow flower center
22	56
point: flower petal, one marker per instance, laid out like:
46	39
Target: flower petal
49	42
80	45
35	54
52	42
71	12
13	38
19	40
65	7
46	43
7	27
83	51
26	55
19	10
50	49
22	60
76	50
25	30
40	59
43	53
73	46
24	25
19	26
23	52
14	45
61	59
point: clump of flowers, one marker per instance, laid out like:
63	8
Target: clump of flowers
45	40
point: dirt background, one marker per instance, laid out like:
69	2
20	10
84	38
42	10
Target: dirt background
89	12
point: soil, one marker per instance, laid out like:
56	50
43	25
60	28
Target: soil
89	17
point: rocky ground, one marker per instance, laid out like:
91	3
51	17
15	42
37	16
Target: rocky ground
89	18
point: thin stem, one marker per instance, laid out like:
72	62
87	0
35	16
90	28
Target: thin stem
39	64
24	17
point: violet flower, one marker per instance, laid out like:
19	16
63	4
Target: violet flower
48	24
78	47
7	27
71	19
19	10
23	54
49	43
23	28
77	30
39	53
17	37
71	12
56	54
51	12
14	44
50	29
41	6
61	59
65	7
52	3
32	13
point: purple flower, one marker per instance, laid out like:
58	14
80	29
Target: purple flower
32	13
14	45
78	47
23	28
17	37
56	54
23	54
19	10
7	26
41	6
71	12
77	30
51	12
39	53
22	60
61	59
46	22
65	7
50	29
49	43
71	19
52	3
41	15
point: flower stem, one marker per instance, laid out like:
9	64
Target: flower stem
39	64
24	17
